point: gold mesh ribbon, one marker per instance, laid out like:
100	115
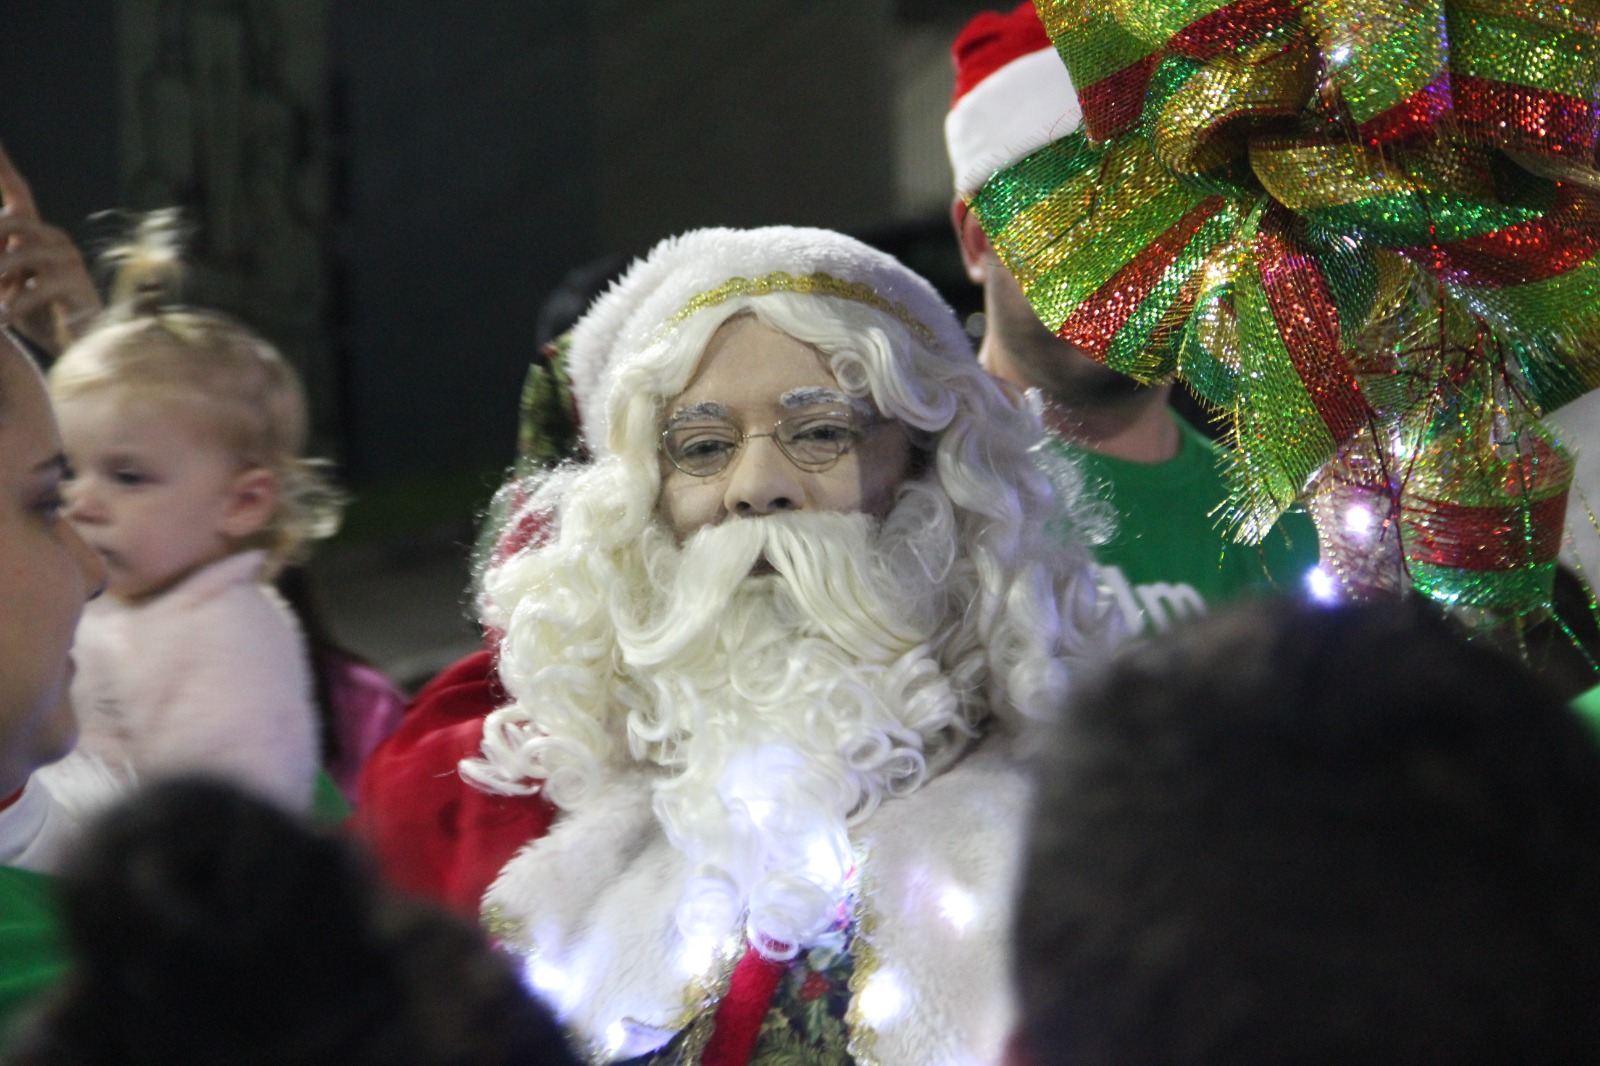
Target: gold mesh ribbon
1365	230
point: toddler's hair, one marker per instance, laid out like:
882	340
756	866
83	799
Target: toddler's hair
233	381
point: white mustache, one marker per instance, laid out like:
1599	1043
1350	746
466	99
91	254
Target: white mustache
825	562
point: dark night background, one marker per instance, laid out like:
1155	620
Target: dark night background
389	189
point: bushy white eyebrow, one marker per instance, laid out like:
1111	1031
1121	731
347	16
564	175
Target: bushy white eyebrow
816	396
793	400
705	409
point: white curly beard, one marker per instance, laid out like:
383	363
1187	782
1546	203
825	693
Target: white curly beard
782	674
780	711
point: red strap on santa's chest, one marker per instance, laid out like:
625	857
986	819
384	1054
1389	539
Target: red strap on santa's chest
739	1015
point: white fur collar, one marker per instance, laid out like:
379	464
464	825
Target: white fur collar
591	909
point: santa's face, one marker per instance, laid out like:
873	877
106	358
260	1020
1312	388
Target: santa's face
768	407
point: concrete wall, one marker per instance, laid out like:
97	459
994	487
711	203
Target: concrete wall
740	114
466	195
222	108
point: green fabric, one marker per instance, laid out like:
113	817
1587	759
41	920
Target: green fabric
1168	559
1588	708
547	436
32	956
328	805
547	431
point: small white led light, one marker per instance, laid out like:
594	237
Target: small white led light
1358	519
882	999
958	906
697	955
547	980
1321	585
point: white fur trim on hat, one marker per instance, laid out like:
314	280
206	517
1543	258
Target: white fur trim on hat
1017	110
659	289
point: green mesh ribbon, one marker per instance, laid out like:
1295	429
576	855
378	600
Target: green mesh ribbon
1365	230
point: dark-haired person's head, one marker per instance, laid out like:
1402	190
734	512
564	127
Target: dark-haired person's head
208	926
1292	833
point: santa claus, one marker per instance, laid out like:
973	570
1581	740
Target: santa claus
753	793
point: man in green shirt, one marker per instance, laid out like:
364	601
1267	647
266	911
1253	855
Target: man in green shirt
1169	556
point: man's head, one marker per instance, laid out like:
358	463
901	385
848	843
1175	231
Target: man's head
1013	96
1299	834
807	566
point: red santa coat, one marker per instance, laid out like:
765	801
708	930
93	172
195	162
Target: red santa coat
439	837
434	836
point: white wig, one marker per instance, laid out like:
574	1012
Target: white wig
1016	600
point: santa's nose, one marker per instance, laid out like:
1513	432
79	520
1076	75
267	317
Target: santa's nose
762	480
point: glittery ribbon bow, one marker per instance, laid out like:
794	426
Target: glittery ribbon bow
1366	231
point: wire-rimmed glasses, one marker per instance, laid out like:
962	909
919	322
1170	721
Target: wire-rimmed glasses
813	440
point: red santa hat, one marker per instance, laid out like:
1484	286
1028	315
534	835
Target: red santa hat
1013	95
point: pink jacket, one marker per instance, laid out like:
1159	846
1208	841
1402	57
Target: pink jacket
210	676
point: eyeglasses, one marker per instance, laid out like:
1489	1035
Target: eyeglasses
813	440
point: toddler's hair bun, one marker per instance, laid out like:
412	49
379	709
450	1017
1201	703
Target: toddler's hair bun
147	268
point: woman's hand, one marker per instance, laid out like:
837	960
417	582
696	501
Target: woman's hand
46	293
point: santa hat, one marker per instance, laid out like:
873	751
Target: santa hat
1013	95
700	270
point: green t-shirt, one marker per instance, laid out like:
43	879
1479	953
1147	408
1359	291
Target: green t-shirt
1169	558
32	956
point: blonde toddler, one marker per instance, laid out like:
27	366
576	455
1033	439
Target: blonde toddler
184	432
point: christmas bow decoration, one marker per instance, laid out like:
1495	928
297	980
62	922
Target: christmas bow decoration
1365	231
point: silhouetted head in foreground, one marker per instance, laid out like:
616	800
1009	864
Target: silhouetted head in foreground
1299	834
210	927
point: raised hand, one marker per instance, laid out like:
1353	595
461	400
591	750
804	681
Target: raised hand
46	293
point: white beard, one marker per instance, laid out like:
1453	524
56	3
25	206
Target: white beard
780	708
777	708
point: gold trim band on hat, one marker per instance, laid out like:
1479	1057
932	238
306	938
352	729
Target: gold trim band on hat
810	284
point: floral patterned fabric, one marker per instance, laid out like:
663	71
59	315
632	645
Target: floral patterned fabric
805	1024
